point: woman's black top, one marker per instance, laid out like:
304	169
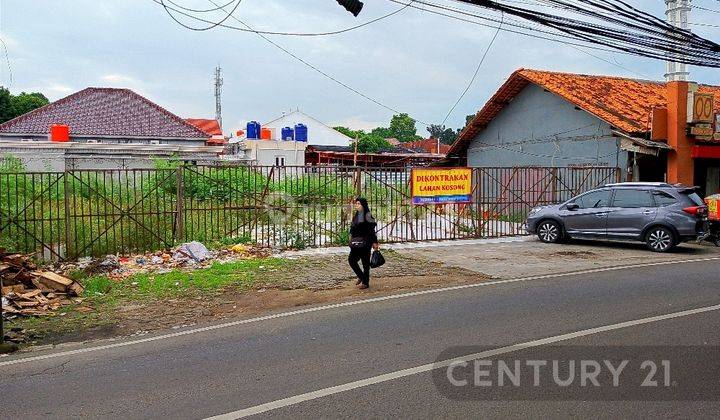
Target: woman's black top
364	229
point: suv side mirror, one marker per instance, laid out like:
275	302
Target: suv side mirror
572	206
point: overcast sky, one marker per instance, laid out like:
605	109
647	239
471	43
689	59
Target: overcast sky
414	61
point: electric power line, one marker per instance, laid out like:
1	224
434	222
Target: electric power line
474	76
318	70
222	24
212	24
7	59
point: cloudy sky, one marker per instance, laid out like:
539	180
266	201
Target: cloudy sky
413	61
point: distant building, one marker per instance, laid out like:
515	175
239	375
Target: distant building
209	127
431	145
268	152
105	115
108	128
395	157
319	133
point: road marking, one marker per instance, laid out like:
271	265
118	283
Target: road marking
338	305
320	393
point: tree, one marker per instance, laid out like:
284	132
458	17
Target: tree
446	135
402	127
353	134
26	102
372	143
382	132
12	106
5	105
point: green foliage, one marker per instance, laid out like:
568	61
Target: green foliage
240	274
402	127
371	143
341	235
26	102
315	189
6	112
12	106
353	134
446	135
383	132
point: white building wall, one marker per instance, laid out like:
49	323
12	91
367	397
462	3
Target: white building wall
319	134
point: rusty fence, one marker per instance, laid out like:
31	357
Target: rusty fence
77	213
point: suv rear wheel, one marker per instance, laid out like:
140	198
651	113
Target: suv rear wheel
549	231
660	239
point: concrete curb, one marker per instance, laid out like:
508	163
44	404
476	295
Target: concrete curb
409	245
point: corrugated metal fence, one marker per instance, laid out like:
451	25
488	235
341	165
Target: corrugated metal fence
77	213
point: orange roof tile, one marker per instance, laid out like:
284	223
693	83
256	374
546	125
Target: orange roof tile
211	127
624	103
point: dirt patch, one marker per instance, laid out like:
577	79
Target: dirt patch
574	254
306	281
232	305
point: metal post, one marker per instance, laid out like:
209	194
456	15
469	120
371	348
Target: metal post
2	319
66	201
179	205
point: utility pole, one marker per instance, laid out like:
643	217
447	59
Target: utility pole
677	15
218	93
355	143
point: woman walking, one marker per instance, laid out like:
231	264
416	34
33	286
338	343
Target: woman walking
362	240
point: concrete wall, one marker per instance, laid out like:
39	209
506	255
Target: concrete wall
264	152
55	157
318	133
539	128
102	140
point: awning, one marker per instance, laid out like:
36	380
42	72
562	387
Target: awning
706	152
639	145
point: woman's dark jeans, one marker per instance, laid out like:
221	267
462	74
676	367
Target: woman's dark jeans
360	254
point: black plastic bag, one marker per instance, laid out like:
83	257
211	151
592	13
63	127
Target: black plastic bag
376	259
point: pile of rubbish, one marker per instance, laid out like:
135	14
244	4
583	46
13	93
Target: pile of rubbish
27	290
191	255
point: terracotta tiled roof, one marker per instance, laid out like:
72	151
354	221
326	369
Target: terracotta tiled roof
105	112
427	145
209	127
625	104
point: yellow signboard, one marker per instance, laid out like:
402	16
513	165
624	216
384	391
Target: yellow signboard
441	185
703	107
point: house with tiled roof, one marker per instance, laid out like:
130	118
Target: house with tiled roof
208	126
543	118
105	115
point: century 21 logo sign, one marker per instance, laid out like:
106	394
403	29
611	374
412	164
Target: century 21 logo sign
703	107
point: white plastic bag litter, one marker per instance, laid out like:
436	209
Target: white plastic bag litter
191	251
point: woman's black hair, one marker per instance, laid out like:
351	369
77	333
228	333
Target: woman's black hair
364	203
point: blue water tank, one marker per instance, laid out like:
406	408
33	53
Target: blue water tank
288	134
301	132
253	130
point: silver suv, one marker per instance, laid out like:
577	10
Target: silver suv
659	214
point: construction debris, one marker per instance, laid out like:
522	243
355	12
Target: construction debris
26	290
191	255
194	251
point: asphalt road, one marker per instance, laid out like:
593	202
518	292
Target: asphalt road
223	370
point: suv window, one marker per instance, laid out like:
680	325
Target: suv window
593	199
631	199
663	199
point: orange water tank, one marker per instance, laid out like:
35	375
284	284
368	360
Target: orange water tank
265	133
60	132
